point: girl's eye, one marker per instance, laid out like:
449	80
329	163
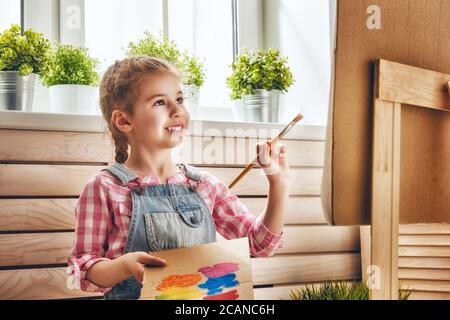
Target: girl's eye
180	100
160	103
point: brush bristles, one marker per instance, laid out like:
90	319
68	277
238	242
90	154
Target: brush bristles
298	117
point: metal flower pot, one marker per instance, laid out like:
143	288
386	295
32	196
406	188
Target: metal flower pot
17	92
261	106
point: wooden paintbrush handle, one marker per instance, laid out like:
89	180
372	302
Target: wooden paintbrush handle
280	136
243	173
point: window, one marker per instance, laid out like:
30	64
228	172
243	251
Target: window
9	13
205	28
300	29
111	24
188	24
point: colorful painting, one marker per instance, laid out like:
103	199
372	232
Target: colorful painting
215	271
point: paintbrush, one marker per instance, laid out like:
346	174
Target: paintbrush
280	136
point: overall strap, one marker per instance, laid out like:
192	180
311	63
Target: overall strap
191	172
121	172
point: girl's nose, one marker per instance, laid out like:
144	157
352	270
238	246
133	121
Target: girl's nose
176	110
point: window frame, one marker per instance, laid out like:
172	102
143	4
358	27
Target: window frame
43	16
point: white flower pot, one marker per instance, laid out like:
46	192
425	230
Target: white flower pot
191	95
74	98
238	110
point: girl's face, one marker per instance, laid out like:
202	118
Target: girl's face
160	119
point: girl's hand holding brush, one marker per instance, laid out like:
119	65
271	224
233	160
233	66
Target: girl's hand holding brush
272	159
271	156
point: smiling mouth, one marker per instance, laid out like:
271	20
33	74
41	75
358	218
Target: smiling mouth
175	128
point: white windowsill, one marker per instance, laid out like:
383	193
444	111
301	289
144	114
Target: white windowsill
87	123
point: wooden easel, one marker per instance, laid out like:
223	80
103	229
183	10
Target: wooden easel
409	119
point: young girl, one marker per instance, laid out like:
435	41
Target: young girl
145	202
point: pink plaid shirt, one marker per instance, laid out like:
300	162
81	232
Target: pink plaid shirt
103	215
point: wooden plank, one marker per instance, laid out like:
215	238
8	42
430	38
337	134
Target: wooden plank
395	210
426	285
315	239
424	295
425	274
385	197
365	252
306	268
53	248
37	214
35	248
300	210
69	180
411	85
424	229
59	214
32	284
63	146
58	146
303	181
424	240
228	151
44	180
424	262
408	251
274	293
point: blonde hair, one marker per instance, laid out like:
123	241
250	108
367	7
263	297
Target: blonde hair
118	90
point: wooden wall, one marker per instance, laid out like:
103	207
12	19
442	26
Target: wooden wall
43	172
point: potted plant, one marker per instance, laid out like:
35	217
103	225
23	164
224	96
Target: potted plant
194	76
192	68
22	59
72	80
258	78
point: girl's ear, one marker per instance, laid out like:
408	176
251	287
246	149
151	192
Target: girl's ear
121	120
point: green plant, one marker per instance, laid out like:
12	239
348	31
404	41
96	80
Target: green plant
338	290
263	69
193	70
70	65
25	53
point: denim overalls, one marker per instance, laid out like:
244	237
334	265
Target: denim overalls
164	216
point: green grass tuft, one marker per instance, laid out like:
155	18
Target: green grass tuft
337	290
